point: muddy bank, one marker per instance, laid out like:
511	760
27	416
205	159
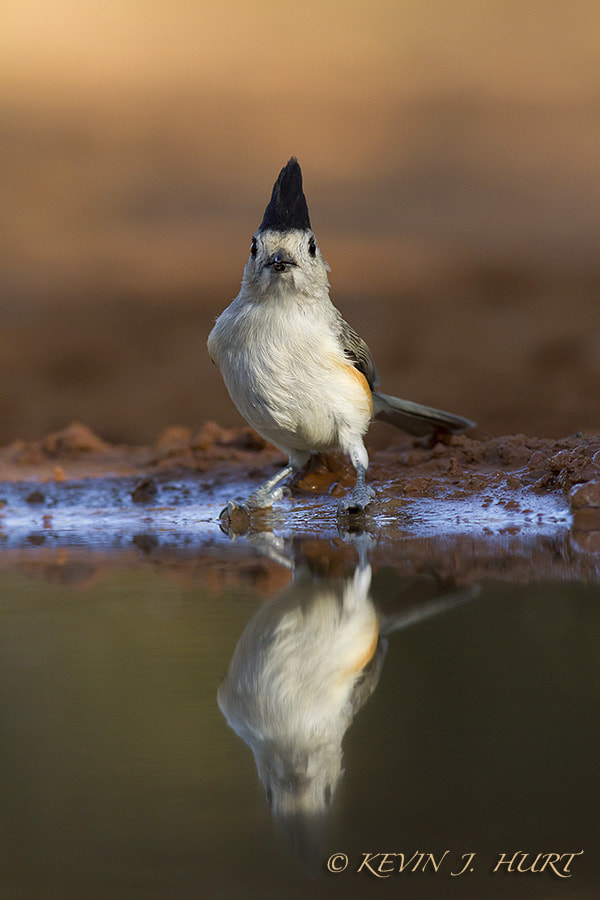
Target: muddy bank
458	510
459	464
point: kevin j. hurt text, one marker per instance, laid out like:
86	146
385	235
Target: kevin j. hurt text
382	864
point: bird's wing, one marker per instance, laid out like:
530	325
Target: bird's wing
368	679
358	353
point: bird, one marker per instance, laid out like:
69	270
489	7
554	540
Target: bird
310	658
298	373
306	662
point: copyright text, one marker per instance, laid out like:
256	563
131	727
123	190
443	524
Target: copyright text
519	862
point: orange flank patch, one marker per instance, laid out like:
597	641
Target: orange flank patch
367	656
360	378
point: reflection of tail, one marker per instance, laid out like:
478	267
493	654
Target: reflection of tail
441	604
415	418
305	664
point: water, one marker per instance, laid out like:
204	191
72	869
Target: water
474	730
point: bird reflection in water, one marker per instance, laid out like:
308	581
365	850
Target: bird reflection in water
305	664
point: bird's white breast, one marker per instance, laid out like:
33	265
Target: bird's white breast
286	372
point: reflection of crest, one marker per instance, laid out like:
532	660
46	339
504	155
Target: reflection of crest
304	665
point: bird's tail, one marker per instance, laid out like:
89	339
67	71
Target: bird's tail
415	418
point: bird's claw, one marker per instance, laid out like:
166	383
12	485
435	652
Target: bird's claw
356	503
234	518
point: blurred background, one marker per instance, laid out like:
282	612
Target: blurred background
451	157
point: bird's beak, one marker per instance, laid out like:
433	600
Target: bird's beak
280	260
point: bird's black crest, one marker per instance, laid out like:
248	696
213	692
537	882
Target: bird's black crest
287	207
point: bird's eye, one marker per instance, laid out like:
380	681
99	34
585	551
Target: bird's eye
312	247
253	247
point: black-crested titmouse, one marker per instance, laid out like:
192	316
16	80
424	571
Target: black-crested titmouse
308	660
297	372
305	664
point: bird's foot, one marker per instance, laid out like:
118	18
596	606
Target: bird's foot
356	502
235	517
259	499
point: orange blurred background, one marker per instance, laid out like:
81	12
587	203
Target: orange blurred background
451	156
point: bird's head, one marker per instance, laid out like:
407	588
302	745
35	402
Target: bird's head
284	254
300	780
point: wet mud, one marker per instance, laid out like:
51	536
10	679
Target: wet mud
460	508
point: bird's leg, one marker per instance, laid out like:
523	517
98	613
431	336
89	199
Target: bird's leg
264	496
360	497
267	493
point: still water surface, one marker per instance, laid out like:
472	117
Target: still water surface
470	726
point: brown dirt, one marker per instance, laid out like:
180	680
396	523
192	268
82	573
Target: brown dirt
408	466
510	473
